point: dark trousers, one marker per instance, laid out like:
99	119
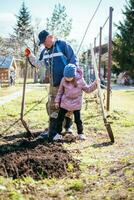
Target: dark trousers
53	113
77	120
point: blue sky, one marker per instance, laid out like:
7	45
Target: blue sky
80	11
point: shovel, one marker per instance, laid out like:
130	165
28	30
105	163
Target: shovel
28	133
107	124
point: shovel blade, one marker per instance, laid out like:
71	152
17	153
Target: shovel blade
110	132
28	133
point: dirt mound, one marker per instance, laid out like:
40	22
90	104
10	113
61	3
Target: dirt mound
44	160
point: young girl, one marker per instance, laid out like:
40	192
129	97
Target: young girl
69	98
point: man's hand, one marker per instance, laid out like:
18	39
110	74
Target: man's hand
57	105
27	52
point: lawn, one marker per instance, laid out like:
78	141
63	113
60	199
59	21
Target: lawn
7	90
105	170
4	91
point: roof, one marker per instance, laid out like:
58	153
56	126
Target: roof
6	61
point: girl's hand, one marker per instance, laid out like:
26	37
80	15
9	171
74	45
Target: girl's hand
57	105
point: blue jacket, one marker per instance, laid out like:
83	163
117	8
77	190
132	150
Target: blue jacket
56	58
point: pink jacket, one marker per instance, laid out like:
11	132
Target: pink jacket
69	96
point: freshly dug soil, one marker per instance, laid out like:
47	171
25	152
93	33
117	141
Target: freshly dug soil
28	158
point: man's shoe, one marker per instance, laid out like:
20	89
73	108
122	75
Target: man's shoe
57	137
81	137
43	134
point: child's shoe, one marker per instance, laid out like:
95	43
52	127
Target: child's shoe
57	137
81	137
69	130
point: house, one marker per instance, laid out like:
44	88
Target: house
8	69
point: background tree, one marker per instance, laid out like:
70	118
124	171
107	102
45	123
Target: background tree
23	28
123	53
2	46
59	24
7	46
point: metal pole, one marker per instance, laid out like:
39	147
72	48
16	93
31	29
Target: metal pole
100	49
87	68
109	58
94	44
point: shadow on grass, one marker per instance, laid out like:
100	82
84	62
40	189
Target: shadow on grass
19	119
20	135
18	142
104	144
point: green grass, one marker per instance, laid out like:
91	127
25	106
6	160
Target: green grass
106	170
76	185
123	101
35	112
5	91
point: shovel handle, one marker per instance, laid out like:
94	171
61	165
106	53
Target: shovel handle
24	89
107	125
98	83
29	134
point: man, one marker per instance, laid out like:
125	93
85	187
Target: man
12	77
55	55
